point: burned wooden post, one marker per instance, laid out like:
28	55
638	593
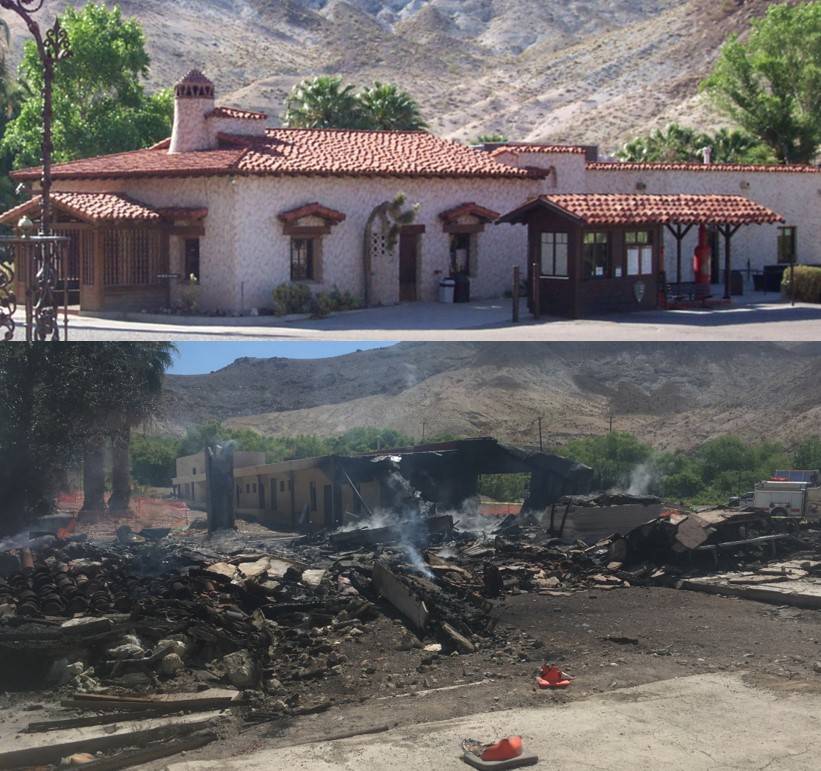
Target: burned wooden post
564	519
219	482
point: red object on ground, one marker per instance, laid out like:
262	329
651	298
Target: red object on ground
702	257
553	677
504	749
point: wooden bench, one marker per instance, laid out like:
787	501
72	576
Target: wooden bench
689	291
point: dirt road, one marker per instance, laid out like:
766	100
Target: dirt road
701	663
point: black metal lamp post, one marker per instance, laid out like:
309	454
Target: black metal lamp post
52	47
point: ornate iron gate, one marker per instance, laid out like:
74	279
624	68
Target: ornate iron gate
40	261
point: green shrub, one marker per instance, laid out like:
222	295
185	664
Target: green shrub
292	298
297	298
807	283
331	302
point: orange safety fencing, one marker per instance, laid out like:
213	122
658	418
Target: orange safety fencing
144	512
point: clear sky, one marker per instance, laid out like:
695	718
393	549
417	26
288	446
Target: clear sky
197	358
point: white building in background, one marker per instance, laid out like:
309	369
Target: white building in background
245	209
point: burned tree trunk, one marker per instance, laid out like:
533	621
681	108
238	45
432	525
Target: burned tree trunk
120	471
93	476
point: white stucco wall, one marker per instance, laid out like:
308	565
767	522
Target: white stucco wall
796	196
266	250
245	254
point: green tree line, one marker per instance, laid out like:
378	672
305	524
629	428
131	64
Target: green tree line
709	474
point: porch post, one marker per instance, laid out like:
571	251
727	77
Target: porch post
728	232
679	233
98	289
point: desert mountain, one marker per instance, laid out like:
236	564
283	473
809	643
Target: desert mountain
671	395
592	71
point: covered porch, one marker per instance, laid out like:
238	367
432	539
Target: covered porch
591	253
117	253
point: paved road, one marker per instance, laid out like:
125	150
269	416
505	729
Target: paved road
746	321
711	721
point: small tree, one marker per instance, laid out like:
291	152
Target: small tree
100	105
770	83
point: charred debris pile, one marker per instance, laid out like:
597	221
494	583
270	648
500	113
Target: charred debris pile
145	611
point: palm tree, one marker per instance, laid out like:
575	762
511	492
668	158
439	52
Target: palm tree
674	144
323	102
387	107
140	370
737	147
127	382
680	144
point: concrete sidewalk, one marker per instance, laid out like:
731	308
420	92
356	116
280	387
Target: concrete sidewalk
750	318
709	721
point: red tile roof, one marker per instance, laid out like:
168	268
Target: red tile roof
144	163
231	112
98	208
469	209
593	209
312	210
297	152
89	207
526	148
772	168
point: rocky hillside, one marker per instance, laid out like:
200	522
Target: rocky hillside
672	395
578	71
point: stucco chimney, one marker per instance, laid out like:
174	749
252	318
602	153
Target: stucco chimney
194	99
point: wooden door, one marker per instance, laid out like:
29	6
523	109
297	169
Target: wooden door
408	256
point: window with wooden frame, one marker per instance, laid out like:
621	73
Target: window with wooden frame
638	246
787	244
133	257
596	262
554	248
192	259
305	255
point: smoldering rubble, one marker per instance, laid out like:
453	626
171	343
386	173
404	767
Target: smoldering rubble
124	625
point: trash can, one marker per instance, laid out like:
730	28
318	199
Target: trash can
447	288
461	292
736	283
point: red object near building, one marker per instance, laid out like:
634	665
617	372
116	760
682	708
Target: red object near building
702	257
